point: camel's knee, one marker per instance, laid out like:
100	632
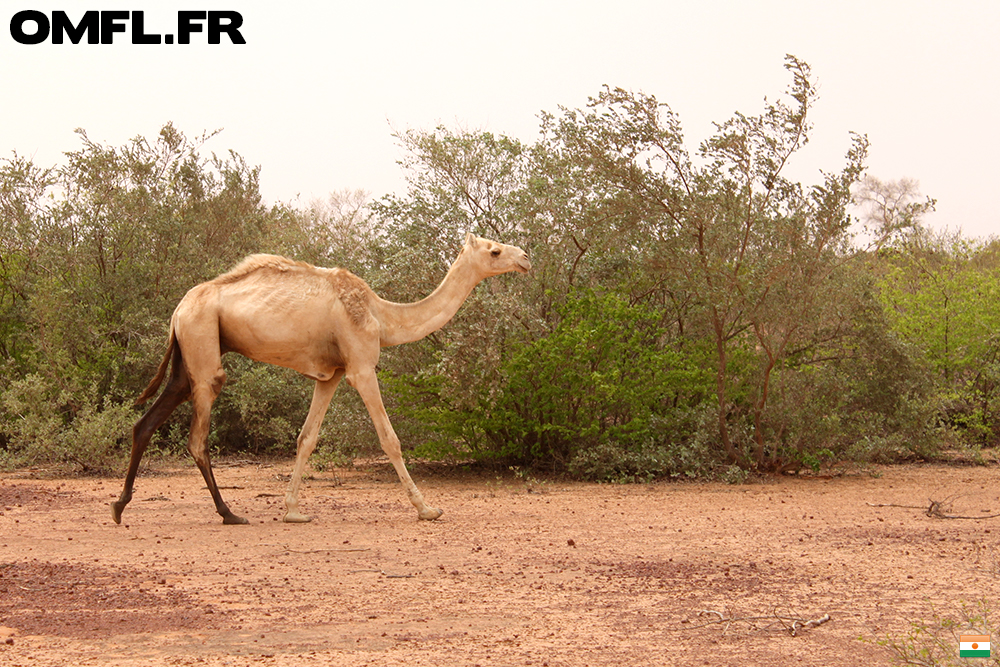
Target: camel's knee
198	448
392	447
142	432
218	380
204	393
208	386
305	445
201	400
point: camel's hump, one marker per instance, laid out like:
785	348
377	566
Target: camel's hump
352	291
257	262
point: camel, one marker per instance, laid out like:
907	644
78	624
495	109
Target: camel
327	324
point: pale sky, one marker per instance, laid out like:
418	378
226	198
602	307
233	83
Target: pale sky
315	93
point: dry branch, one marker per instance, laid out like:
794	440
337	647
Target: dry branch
794	625
323	551
385	574
937	509
286	549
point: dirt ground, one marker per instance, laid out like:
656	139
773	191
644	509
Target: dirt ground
516	572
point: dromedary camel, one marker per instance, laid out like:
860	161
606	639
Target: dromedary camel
324	323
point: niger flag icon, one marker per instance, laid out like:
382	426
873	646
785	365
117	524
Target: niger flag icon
974	646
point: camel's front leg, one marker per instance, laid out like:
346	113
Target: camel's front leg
367	385
322	394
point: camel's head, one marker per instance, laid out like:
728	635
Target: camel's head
495	258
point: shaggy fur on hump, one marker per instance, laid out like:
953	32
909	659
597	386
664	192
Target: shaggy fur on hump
256	262
352	291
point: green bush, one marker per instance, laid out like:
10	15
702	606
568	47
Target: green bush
674	450
938	294
80	428
261	408
601	387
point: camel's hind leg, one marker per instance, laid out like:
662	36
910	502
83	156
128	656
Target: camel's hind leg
203	395
197	331
367	385
322	394
176	392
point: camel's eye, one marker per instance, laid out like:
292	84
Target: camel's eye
495	252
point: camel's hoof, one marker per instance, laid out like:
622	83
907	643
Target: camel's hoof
430	514
233	520
295	517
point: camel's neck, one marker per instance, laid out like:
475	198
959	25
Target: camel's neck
407	322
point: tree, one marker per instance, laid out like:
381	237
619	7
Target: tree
939	292
732	255
22	187
751	254
96	254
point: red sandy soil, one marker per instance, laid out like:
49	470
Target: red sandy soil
516	572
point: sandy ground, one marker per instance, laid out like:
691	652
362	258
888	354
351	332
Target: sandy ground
516	572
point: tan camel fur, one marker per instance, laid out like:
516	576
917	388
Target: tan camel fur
324	323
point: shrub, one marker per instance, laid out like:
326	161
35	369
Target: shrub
599	395
49	426
936	643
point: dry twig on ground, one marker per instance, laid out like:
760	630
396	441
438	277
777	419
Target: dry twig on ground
937	509
793	624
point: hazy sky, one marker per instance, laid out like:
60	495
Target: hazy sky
315	93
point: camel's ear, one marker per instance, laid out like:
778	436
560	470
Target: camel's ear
470	240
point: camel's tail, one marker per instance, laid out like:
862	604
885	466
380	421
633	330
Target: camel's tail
173	351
